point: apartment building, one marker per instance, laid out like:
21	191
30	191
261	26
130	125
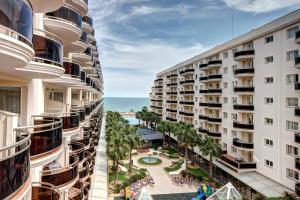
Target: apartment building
51	89
245	95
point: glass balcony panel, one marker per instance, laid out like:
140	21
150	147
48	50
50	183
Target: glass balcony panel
67	14
44	191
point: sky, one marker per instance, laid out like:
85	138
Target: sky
139	38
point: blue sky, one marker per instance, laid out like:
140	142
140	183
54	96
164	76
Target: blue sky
138	38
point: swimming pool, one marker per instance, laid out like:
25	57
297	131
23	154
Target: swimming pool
131	120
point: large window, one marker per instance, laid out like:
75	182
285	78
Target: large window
10	99
56	96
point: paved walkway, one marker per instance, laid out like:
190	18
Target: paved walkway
99	186
163	184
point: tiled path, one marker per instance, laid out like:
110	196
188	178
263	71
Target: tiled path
99	187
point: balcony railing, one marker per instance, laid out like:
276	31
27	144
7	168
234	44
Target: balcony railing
214	62
171	110
84	170
214	76
211	104
171	93
80	111
297	137
243	89
187	92
297	86
237	163
191	103
297	188
88	19
48	48
214	134
297	163
247	107
66	14
83	76
242	125
297	112
172	84
172	76
77	191
189	114
202	66
44	191
14	164
46	135
60	176
243	53
238	143
243	71
171	119
171	101
72	68
77	149
203	78
20	29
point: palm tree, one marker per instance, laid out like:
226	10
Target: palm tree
209	148
134	141
195	141
138	115
165	127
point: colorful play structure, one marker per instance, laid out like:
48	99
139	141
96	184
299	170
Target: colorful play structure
203	192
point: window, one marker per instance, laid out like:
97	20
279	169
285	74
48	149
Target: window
268	59
291	79
291	55
291	126
268	121
291	150
224	146
233	149
269	142
10	99
56	96
225	70
233	133
225	55
225	131
225	85
225	100
290	33
225	115
292	174
291	102
269	39
268	100
234	100
268	163
268	80
234	116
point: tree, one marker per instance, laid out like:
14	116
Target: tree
165	127
138	115
209	148
134	141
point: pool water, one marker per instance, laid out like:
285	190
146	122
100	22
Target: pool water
150	160
131	120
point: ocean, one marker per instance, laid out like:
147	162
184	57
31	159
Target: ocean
124	104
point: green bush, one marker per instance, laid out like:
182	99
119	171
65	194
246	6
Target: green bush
174	167
117	188
125	184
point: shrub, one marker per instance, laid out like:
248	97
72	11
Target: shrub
117	188
183	173
125	184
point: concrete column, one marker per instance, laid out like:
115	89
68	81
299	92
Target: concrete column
68	97
80	98
36	97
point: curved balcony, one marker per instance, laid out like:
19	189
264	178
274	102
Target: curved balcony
211	104
80	111
80	5
203	66
16	35
48	59
237	164
65	23
242	72
70	121
243	107
243	55
84	170
43	6
187	114
171	110
187	71
203	78
243	89
77	46
214	77
172	101
77	191
61	176
88	110
44	191
214	134
187	82
187	92
87	24
242	125
72	69
14	165
240	144
46	138
213	64
187	103
84	57
76	149
211	91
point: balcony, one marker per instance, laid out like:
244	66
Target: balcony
70	121
243	107
186	82
243	55
44	191
77	191
171	119
211	91
214	64
72	69
243	89
187	103
297	163
65	23
43	6
243	72
82	76
214	77
172	76
297	138
203	78
172	101
172	84
84	57
237	164
240	144
297	188
297	86
171	93
80	111
87	109
203	130
187	71
297	37
87	24
297	111
187	92
61	176
76	149
80	5
214	119
171	110
188	114
46	136
214	134
78	46
211	104
16	35
202	66
297	61
14	165
48	59
84	170
242	125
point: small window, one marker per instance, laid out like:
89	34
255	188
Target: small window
225	55
292	102
234	100
224	146
234	116
291	150
291	79
225	115
225	85
268	163
268	80
292	174
225	100
233	149
233	133
291	55
225	131
225	70
269	39
269	59
291	32
269	142
268	100
291	126
268	121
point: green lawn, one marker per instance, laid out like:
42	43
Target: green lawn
199	172
174	167
120	176
170	150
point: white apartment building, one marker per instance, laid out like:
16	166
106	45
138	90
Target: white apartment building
51	89
245	94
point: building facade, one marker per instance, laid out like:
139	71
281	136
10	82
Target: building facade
51	89
245	95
